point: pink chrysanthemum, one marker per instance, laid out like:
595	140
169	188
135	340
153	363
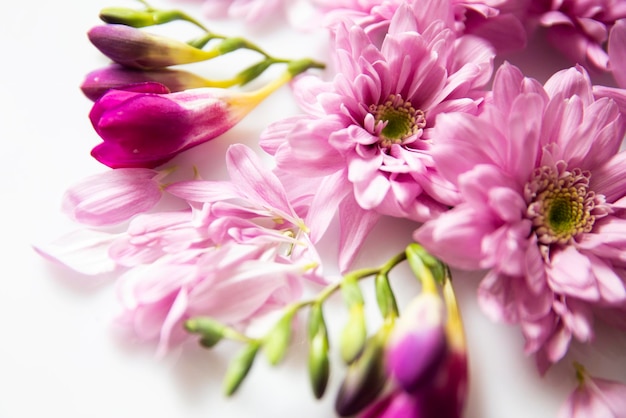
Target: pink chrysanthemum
497	21
369	130
579	28
543	194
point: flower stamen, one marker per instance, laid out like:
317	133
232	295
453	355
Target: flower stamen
560	204
397	121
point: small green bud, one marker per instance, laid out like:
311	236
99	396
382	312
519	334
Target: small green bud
420	261
230	45
319	364
385	297
253	71
239	367
211	331
299	66
277	340
127	16
351	292
354	334
143	18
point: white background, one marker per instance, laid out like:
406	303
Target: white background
58	356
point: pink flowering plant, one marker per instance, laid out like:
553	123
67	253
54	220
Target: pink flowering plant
413	114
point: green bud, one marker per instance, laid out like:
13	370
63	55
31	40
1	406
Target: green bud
230	45
351	292
277	340
385	297
239	367
211	331
319	364
143	18
420	261
365	377
253	71
354	334
299	66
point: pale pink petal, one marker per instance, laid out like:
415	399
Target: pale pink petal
85	250
355	225
570	273
113	196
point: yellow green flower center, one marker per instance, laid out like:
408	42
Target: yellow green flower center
400	121
560	204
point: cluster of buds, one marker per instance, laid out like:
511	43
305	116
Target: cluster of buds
414	365
145	112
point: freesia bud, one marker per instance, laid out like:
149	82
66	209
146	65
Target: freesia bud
115	76
277	340
137	49
319	364
147	128
417	346
365	377
354	333
140	18
210	330
239	367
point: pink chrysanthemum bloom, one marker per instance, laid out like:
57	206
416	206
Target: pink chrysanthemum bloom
367	133
595	397
579	28
497	21
543	194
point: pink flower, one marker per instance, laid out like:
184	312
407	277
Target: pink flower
239	251
252	11
232	283
580	28
146	126
543	194
497	21
113	196
595	397
368	132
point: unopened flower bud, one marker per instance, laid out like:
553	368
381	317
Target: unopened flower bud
319	364
277	340
417	346
384	296
147	128
135	48
115	76
365	377
140	18
354	334
239	367
210	330
424	265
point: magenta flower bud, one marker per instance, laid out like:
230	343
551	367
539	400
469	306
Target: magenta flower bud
148	126
115	76
417	346
135	48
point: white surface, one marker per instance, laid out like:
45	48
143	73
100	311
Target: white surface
58	357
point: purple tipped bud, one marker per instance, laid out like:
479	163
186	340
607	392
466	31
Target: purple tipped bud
138	49
417	346
147	126
115	76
